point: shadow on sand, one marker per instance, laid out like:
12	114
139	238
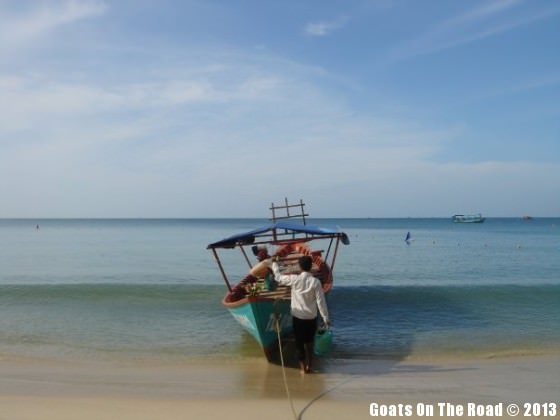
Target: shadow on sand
375	334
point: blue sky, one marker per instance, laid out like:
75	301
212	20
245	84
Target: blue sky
378	108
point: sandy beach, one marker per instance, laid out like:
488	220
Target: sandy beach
47	389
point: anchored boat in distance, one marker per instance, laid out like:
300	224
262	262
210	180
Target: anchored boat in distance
468	218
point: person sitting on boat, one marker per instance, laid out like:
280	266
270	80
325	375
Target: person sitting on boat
258	270
261	252
307	297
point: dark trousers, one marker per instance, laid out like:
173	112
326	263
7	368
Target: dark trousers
304	333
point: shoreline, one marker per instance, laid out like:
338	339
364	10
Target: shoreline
53	389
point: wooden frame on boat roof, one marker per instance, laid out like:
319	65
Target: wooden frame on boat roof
287	207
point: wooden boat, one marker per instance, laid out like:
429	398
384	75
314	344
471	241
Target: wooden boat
256	302
468	218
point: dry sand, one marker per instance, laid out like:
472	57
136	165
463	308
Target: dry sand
56	390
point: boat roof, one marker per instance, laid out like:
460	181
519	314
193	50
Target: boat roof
249	237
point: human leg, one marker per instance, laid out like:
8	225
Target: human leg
305	335
299	335
308	357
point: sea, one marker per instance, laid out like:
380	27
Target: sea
148	290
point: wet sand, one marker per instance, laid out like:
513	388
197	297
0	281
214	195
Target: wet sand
47	389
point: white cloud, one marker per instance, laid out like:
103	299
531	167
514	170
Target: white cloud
485	11
190	134
550	81
221	129
202	139
325	28
477	24
17	29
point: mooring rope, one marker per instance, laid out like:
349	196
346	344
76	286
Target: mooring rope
296	417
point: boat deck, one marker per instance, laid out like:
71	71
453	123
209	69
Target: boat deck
280	292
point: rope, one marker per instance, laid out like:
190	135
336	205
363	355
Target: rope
296	417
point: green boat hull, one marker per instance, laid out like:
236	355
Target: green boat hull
261	319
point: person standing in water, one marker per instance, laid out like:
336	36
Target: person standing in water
307	298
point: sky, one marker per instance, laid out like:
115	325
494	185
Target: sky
217	108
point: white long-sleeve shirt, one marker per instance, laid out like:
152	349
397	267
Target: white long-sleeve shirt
307	294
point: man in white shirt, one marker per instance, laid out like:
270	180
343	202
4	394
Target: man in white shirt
307	298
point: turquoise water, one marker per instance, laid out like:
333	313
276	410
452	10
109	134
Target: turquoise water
149	289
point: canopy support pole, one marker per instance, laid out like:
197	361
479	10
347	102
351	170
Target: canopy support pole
334	254
221	269
329	249
245	255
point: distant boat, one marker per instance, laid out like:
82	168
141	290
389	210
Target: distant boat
408	238
468	218
527	217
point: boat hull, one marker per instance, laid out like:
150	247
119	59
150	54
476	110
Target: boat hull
470	218
259	317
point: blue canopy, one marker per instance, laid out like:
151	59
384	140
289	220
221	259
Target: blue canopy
249	237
